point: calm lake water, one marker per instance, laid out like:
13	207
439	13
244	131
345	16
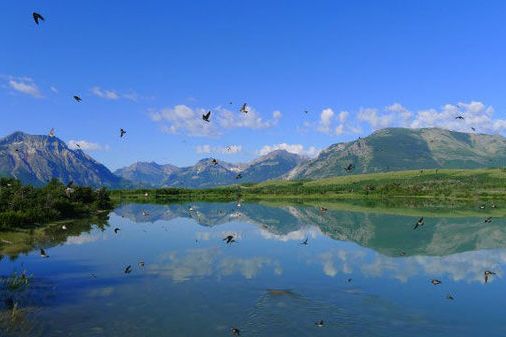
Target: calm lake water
364	273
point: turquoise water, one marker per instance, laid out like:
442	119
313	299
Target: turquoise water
362	273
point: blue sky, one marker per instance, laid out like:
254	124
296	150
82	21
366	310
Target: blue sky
152	67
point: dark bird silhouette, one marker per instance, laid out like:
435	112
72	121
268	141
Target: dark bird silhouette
419	223
235	332
141	264
77	99
43	253
473	129
319	323
116	230
229	239
449	297
305	111
121	133
349	168
305	241
214	161
238	176
435	282
37	17
51	133
488	220
487	275
206	116
244	108
459	117
128	269
323	209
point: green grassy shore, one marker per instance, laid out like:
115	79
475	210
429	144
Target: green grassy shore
447	185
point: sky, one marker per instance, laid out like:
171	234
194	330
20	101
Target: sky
154	67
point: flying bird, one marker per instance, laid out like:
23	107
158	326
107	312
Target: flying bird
235	332
77	99
488	220
487	274
116	230
37	17
43	253
121	133
51	133
473	129
128	269
305	241
349	168
323	209
64	227
435	282
238	176
229	239
244	108
207	116
214	161
141	264
419	223
459	117
319	323
145	213
449	297
305	111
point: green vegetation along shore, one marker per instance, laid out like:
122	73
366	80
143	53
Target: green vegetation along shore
430	184
22	206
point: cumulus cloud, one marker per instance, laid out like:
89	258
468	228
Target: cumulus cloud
207	149
476	115
183	119
292	148
25	85
326	117
86	145
251	120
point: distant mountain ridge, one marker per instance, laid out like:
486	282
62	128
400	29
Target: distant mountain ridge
395	149
205	173
36	159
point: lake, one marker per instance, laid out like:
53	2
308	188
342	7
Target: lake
364	272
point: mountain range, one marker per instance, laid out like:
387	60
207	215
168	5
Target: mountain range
36	159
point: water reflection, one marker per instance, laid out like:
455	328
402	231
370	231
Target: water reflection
365	273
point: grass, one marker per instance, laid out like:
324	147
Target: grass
446	185
17	281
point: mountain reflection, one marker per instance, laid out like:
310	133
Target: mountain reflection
387	234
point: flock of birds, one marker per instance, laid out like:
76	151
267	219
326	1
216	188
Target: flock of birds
230	239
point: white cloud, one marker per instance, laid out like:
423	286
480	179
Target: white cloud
25	85
86	145
207	149
343	115
182	118
292	148
326	117
251	120
476	115
106	94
